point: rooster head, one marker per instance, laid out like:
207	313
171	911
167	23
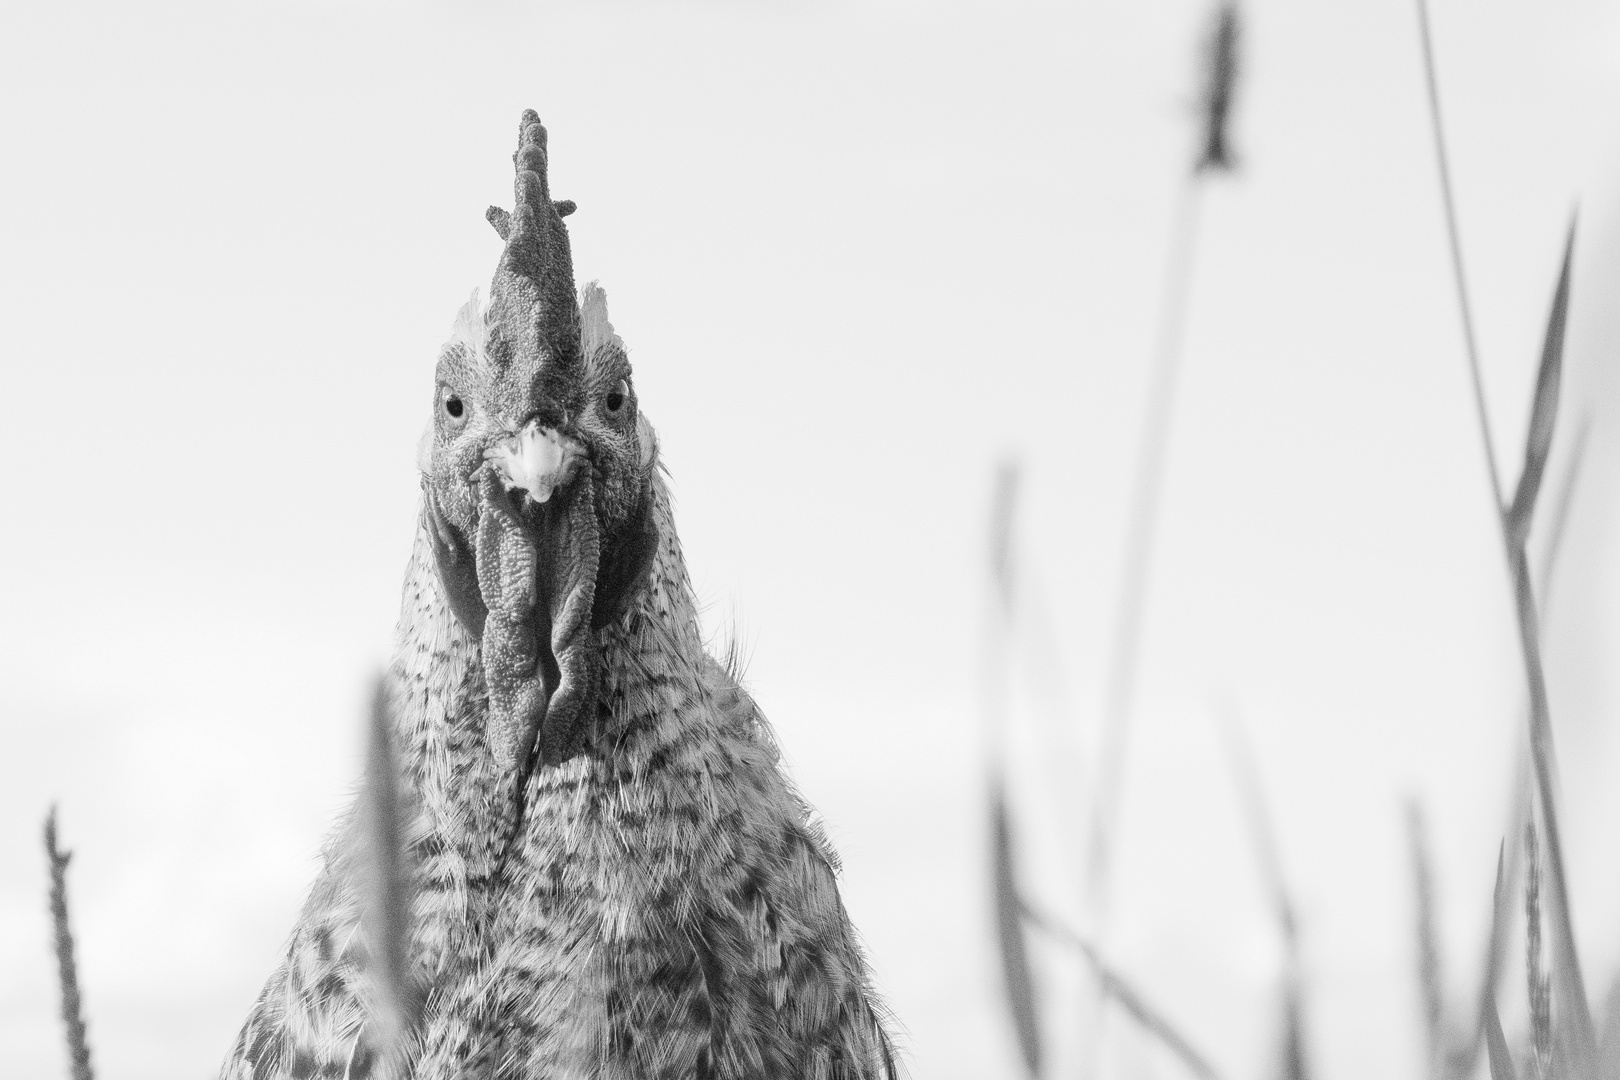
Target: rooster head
536	474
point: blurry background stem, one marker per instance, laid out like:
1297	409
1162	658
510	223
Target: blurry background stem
1018	981
1454	238
1145	495
1217	85
1217	82
1515	521
78	1045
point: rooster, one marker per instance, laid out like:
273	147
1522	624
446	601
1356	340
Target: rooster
611	877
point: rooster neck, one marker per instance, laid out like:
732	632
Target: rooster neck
657	644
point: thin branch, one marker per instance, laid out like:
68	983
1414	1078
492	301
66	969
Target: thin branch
67	970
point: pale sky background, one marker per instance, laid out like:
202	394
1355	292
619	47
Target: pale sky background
859	251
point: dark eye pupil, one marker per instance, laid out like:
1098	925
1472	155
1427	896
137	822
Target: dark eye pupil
453	406
615	401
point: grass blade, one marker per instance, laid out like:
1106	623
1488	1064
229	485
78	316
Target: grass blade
1295	1062
1430	980
1573	1014
1141	527
1560	518
1454	236
1609	1036
1496	1047
1218	82
1018	979
1543	409
67	970
1116	987
396	1006
1461	1062
1002	602
1537	989
1246	775
1002	503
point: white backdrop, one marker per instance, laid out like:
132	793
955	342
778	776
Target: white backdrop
858	250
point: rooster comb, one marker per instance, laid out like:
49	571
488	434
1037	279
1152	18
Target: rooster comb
532	291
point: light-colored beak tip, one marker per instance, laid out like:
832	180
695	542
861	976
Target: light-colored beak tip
536	459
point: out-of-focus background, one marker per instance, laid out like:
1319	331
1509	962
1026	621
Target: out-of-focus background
861	251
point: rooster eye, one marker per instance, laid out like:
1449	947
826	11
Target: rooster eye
453	407
615	399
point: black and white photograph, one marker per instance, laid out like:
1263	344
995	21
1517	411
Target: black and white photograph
810	540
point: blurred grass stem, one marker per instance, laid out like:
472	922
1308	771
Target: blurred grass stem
1515	520
1152	452
1018	976
386	902
67	969
1430	975
1573	1011
1116	987
1453	235
1251	792
1018	981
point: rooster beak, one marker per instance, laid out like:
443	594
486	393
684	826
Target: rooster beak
537	460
